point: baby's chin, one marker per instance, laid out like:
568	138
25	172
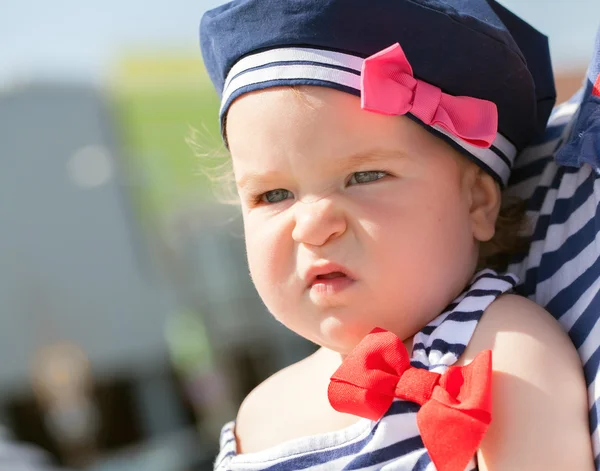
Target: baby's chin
340	337
339	331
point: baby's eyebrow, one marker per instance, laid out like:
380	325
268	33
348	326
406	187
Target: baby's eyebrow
250	179
372	156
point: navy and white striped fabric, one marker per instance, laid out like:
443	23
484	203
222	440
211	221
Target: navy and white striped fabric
561	271
393	443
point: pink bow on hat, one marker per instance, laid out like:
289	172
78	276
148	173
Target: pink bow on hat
389	87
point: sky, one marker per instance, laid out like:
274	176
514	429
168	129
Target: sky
81	40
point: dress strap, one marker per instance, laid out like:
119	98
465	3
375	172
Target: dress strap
439	344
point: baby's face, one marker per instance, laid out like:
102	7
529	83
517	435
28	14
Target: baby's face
352	219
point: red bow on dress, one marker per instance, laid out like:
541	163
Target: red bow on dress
389	87
455	406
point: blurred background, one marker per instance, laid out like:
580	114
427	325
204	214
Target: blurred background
129	328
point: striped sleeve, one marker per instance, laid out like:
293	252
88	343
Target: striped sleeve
559	177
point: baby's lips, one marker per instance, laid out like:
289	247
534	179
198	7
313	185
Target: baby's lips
325	269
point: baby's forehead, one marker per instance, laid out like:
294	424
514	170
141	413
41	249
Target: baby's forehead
270	126
313	115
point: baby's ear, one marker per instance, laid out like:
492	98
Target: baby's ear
484	199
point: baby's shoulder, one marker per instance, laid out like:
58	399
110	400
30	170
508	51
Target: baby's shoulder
538	388
290	404
529	347
275	394
514	319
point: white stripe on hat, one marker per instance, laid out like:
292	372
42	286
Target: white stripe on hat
296	63
289	72
486	156
294	54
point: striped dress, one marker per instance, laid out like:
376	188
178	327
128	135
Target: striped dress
392	443
559	178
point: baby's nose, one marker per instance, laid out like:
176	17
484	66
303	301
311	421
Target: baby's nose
318	220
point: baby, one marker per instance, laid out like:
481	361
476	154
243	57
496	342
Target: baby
370	142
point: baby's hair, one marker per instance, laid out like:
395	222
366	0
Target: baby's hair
214	163
512	236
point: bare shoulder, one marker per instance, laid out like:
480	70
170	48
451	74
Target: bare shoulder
539	392
290	404
525	338
511	317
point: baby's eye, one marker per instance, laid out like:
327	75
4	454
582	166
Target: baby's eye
275	196
366	177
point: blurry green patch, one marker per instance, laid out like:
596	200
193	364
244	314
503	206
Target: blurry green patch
158	104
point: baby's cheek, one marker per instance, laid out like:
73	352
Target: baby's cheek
456	255
267	265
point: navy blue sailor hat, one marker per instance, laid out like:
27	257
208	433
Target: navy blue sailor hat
466	48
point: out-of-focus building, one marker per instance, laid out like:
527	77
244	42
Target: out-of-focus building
75	272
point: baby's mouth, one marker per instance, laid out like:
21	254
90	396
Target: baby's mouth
330	276
330	284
